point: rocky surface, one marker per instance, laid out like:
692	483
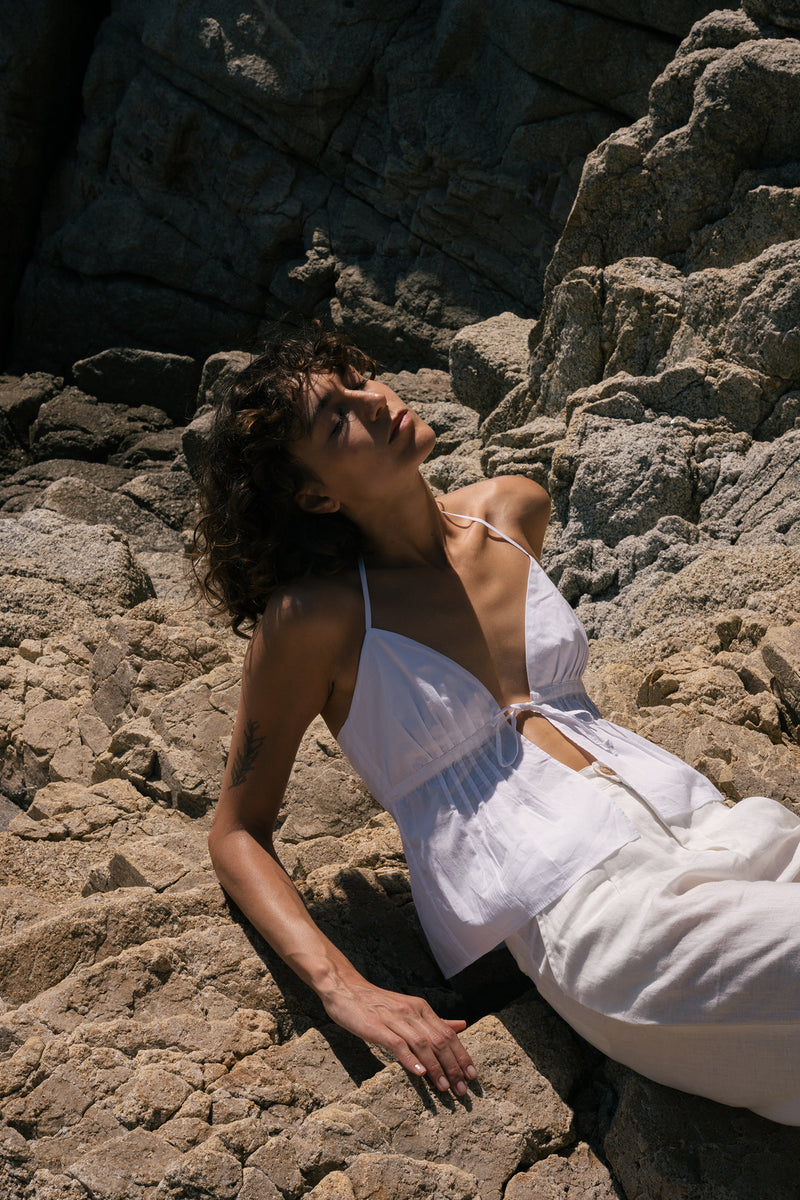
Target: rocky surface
661	405
151	1046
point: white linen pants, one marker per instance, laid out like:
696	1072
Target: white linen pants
679	955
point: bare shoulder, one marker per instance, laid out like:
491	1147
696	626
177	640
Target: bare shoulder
313	619
292	668
514	504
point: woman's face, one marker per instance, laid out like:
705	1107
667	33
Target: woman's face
361	442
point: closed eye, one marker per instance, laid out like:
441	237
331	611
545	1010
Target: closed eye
341	417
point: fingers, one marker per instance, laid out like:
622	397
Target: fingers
433	1049
424	1043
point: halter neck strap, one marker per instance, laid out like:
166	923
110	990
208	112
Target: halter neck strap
493	528
365	593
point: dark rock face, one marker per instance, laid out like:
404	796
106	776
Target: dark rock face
57	568
46	45
74	425
127	376
407	171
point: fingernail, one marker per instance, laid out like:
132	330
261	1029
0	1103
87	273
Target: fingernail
442	1083
472	1073
419	1068
461	1087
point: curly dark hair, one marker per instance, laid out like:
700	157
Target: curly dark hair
252	537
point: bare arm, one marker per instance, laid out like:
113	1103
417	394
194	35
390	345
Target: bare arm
288	675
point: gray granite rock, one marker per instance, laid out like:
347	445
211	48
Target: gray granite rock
56	570
614	478
759	501
692	161
79	500
488	360
579	1173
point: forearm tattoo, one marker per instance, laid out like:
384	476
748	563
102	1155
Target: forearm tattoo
245	757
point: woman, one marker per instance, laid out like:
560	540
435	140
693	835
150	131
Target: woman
656	920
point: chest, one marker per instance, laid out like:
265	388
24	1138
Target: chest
498	623
474	615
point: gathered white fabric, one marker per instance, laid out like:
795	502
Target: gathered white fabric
679	954
494	829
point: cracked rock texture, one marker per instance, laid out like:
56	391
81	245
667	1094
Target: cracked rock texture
405	168
151	1046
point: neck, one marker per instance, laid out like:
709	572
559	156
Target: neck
404	530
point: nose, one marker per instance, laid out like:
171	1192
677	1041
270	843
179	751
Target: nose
373	402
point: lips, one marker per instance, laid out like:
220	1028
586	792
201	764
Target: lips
400	422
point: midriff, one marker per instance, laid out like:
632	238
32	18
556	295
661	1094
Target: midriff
552	741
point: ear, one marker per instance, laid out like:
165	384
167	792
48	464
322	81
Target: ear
314	502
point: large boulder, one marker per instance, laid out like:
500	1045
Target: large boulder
730	331
127	376
661	404
219	372
81	501
488	360
705	178
21	490
56	571
76	425
621	476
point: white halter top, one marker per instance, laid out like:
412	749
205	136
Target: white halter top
494	828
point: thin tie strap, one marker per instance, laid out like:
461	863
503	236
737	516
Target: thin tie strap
505	723
365	592
493	528
508	739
